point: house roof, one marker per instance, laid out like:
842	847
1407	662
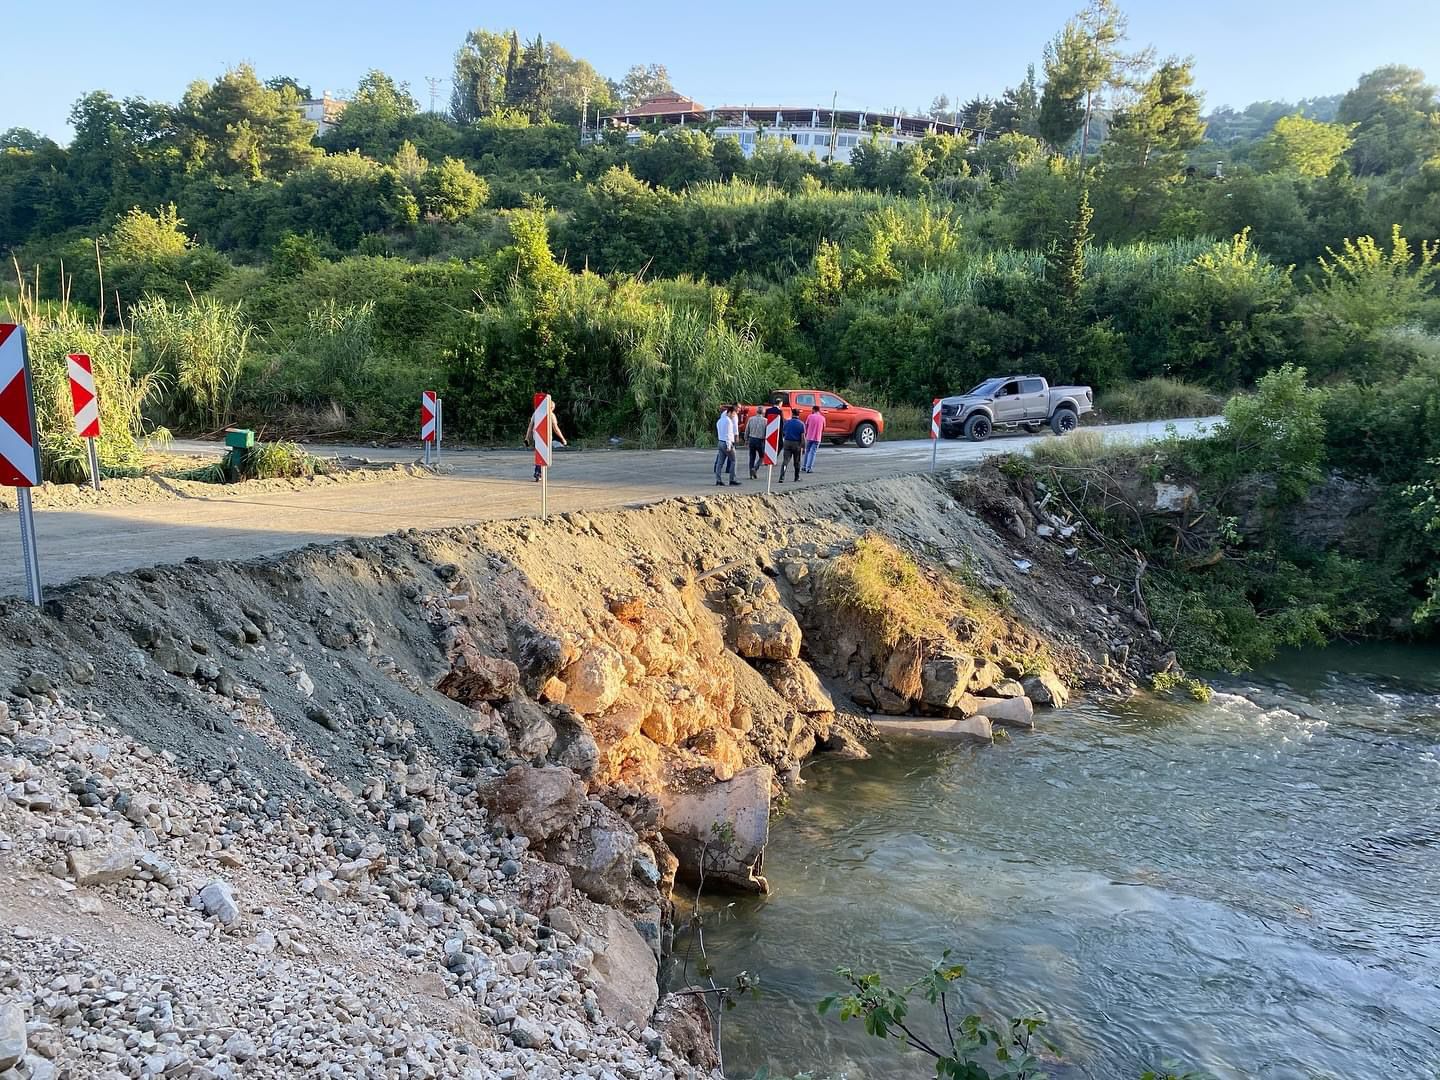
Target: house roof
662	105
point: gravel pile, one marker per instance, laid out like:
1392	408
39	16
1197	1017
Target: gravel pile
168	924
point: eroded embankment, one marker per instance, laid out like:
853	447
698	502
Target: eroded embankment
414	805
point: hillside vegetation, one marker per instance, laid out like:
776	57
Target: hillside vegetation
1092	225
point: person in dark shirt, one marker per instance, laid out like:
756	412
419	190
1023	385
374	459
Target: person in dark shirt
792	443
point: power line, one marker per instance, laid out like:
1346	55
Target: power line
435	82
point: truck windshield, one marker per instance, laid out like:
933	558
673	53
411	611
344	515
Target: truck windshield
985	389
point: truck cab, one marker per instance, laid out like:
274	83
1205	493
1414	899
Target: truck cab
1014	401
843	421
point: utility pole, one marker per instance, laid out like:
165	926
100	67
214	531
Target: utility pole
584	112
434	82
834	97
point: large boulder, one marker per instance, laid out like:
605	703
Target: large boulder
624	970
538	803
1045	688
944	680
102	865
594	681
528	725
541	886
12	1035
574	747
719	832
600	857
766	633
474	677
799	686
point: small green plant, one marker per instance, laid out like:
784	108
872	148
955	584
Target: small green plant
1164	682
971	1049
274	460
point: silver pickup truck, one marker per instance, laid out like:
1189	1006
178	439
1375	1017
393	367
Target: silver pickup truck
1014	401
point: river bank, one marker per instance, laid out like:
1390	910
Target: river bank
1244	886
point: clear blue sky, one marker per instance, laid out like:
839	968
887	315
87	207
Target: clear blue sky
745	51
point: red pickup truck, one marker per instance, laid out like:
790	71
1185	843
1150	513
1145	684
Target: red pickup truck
842	420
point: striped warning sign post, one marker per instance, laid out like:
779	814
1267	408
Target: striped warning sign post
542	433
429	421
772	448
87	409
20	443
934	431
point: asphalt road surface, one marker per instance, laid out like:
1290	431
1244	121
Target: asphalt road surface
474	485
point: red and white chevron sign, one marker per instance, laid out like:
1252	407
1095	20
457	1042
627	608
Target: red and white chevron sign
428	411
935	419
82	396
772	441
19	438
540	429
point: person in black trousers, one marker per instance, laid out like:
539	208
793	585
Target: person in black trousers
792	442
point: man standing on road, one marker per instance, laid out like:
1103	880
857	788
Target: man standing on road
814	432
792	440
725	455
755	439
555	435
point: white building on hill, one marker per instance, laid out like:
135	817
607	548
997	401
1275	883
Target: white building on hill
826	133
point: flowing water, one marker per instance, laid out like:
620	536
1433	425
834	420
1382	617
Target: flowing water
1248	886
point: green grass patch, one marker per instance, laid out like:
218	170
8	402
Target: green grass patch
1159	399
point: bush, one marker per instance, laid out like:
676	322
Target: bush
278	460
197	352
1158	398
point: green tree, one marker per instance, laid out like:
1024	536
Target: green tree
529	87
1308	147
1393	112
1065	262
344	197
481	66
1067	74
1018	109
376	119
238	126
451	192
643	81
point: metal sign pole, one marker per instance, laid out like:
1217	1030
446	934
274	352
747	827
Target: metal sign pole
769	475
426	443
27	542
544	476
94	465
934	451
439	427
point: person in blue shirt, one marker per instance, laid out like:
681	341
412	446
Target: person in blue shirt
792	444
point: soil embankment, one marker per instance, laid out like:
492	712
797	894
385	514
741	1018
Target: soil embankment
414	805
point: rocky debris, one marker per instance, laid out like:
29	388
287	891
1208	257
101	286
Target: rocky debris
392	939
720	832
944	680
765	633
798	685
12	1035
594	680
844	745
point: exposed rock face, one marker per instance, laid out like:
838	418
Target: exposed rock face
719	832
600	857
625	971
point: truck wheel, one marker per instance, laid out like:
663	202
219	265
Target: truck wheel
865	434
977	428
1064	421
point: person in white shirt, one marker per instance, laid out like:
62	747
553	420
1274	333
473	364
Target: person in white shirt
725	456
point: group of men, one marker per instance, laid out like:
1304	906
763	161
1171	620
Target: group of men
799	440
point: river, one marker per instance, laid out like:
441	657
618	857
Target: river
1250	887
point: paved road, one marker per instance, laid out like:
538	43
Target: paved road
475	485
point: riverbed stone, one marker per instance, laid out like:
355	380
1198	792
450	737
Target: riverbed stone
943	680
1015	712
625	971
